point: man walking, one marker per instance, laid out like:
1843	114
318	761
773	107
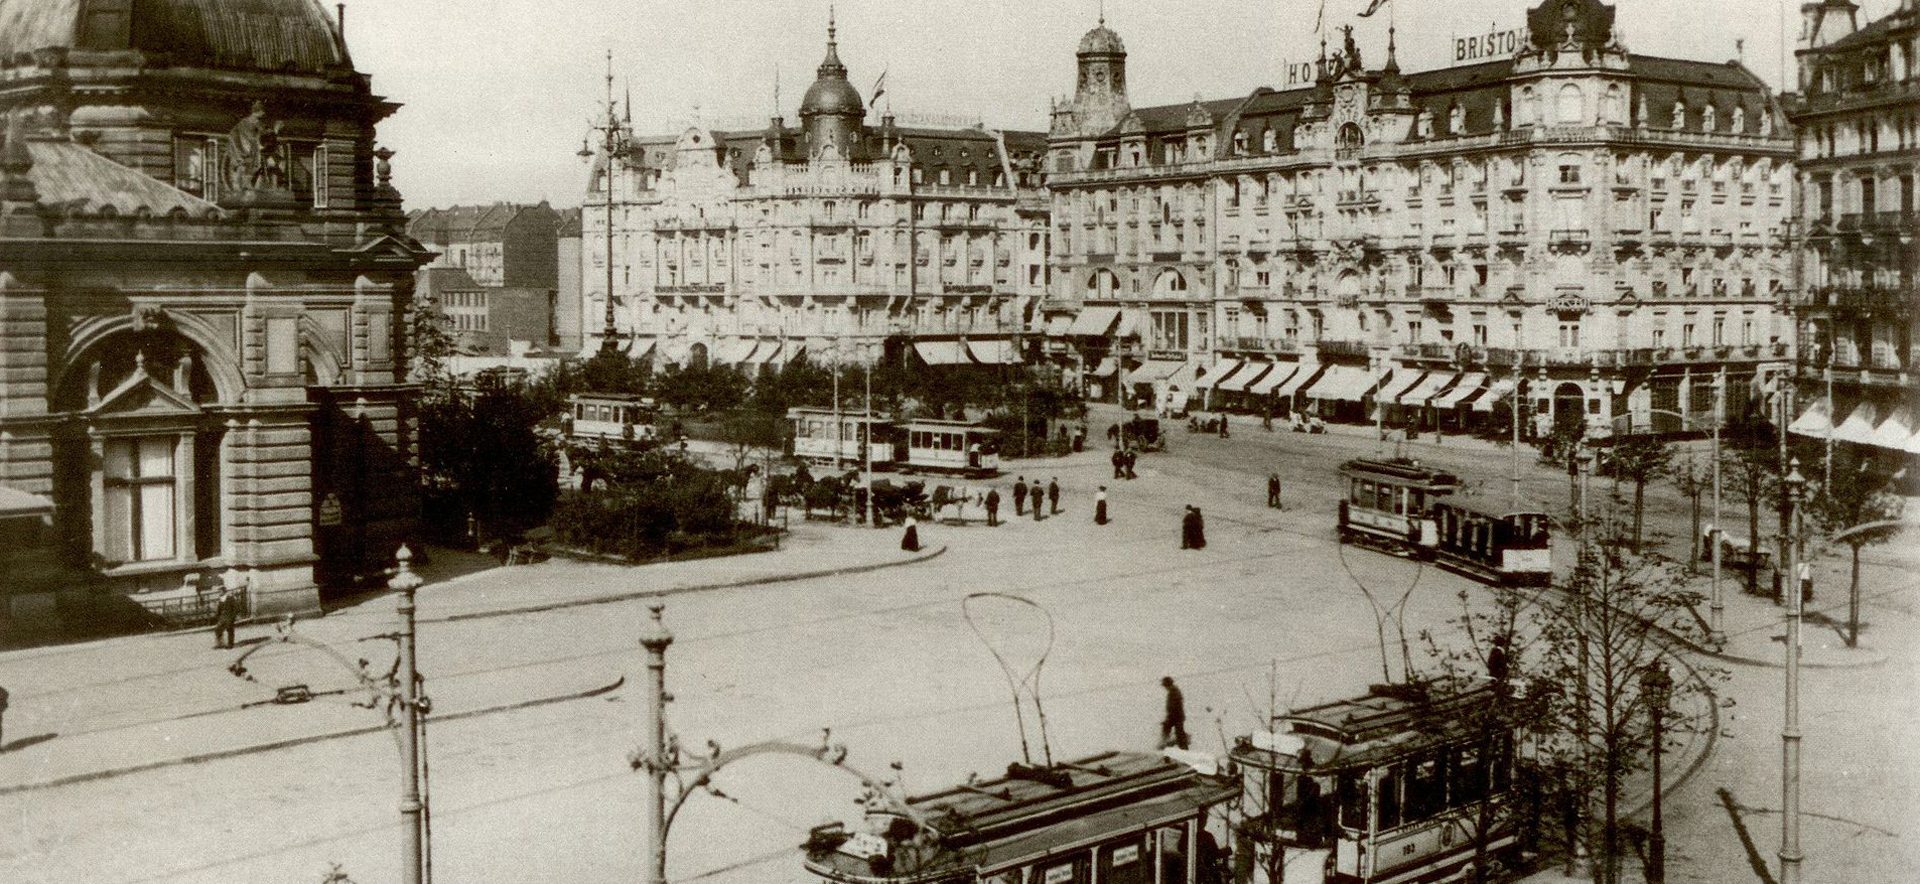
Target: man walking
1039	502
1273	490
1223	426
1053	495
1119	464
1199	529
1132	456
993	507
1186	528
1173	727
1020	496
223	619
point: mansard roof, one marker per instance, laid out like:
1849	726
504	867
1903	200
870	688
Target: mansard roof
73	178
932	148
253	35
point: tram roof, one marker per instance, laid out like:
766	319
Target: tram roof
814	411
992	824
948	425
621	398
1400	468
1489	512
1372	729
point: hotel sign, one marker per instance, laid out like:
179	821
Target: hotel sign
1569	302
1492	44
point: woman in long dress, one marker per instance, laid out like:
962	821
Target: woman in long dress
1100	506
910	541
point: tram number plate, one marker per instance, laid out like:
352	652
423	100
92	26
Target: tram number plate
1060	874
1127	854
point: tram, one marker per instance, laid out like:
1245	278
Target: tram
958	447
1385	788
616	417
1113	818
1407	509
1507	548
817	441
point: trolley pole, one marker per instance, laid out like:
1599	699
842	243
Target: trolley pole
868	448
412	847
655	638
1790	731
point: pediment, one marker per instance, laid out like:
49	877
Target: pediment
140	395
390	247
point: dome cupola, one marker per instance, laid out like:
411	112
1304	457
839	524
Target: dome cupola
831	111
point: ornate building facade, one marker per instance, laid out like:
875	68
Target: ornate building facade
1603	229
202	293
1858	118
750	248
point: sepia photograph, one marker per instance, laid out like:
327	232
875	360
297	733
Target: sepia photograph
959	442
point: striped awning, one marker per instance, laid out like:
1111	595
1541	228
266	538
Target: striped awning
994	352
1496	391
1094	321
1103	369
1342	382
1154	370
1397	383
1219	373
1859	426
1433	383
1270	381
1057	326
942	352
1895	431
1239	383
1469	384
1306	375
1816	421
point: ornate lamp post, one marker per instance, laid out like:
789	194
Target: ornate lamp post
613	141
1656	686
1790	731
657	761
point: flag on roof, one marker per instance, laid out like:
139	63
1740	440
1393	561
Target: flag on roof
1373	6
879	88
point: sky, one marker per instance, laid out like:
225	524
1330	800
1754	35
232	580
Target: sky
497	94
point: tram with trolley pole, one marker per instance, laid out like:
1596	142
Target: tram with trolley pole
611	417
1391	787
962	448
817	441
1112	818
1405	508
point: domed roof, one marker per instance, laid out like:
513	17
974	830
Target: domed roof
1102	41
262	35
830	92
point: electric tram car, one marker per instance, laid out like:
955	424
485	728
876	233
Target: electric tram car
817	441
1405	508
1385	788
958	447
614	417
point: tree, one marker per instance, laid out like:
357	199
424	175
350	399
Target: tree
1751	461
699	388
1639	459
1857	496
1694	479
1611	625
482	456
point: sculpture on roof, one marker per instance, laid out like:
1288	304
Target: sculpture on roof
253	160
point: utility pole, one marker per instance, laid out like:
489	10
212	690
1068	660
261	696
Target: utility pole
612	141
655	638
1656	683
1790	731
867	360
1715	623
1519	359
412	843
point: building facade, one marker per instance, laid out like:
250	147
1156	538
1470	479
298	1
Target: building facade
836	239
1858	119
567	306
502	244
202	305
1602	230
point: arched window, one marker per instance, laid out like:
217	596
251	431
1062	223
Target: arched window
1350	136
1102	284
1614	109
1571	106
1169	282
1529	107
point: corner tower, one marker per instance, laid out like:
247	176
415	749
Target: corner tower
1100	91
831	113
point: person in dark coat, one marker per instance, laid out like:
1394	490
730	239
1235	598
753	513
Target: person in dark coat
1020	496
1186	528
1119	464
1199	529
1273	490
1223	427
225	612
1039	507
993	507
910	541
1053	495
1100	506
1132	457
1173	727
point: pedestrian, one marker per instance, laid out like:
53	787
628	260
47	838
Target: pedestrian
1039	507
1273	490
1053	495
1199	529
1113	434
910	541
1173	727
1132	457
1186	528
993	507
1223	426
3	719
224	614
1020	496
1100	506
1119	464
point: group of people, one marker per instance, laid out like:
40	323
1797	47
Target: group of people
1123	460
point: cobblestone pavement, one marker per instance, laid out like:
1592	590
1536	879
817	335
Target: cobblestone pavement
882	657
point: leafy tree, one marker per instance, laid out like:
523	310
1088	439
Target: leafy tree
1857	496
1639	459
1750	463
655	501
698	388
481	455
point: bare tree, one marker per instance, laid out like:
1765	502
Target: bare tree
1639	459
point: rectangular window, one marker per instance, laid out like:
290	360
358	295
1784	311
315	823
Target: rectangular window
138	486
320	194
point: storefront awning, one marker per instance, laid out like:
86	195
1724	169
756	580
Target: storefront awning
1496	391
733	352
1057	326
1131	325
1816	421
1219	373
1895	431
1273	379
1397	383
994	352
1462	391
1154	370
1307	374
1342	382
1103	369
1094	321
1429	386
1859	426
942	352
1252	372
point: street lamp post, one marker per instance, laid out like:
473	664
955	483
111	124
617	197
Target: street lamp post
1717	607
867	358
612	141
413	851
655	638
1790	730
1656	684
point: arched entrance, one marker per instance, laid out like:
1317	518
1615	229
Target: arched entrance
697	356
1569	406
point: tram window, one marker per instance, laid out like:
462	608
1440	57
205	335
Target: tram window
1383	498
1353	801
1419	498
1354	491
1469	775
1170	850
1500	762
1389	809
1426	789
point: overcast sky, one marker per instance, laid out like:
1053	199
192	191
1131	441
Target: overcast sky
497	93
